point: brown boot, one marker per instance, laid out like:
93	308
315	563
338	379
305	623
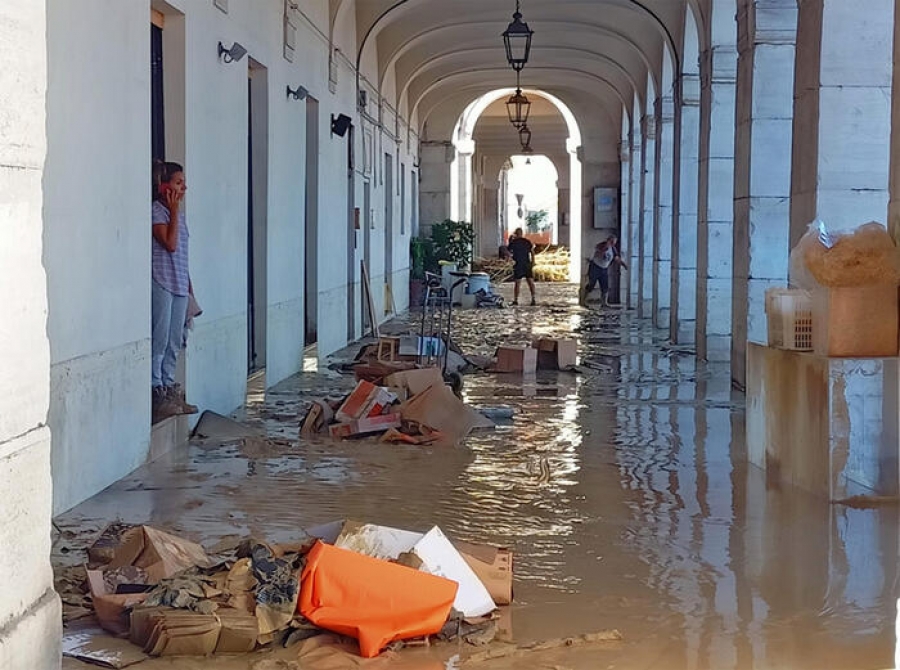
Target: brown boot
163	405
176	395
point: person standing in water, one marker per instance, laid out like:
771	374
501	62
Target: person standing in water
171	288
522	251
605	254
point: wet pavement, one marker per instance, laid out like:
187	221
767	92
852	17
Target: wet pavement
623	491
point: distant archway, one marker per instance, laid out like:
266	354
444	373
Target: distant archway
461	173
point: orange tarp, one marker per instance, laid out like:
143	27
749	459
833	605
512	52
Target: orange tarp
372	600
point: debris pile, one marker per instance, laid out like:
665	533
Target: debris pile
414	407
550	265
380	586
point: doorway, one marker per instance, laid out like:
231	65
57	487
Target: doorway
157	88
311	268
388	220
352	238
257	211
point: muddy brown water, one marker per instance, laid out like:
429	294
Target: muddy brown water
623	491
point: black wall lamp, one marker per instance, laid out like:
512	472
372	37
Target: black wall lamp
299	93
517	39
340	124
232	55
525	136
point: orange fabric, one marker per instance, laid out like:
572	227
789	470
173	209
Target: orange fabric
372	600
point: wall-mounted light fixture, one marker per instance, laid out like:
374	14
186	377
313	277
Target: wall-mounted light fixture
517	40
340	124
232	55
299	93
363	99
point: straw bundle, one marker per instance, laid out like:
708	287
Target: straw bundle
866	257
550	265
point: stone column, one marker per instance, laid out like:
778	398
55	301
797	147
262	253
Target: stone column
842	113
434	187
716	201
465	151
648	179
767	31
625	208
30	616
634	213
684	234
662	231
894	205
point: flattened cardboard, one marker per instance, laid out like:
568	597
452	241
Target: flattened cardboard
439	409
163	631
239	631
494	567
94	646
416	381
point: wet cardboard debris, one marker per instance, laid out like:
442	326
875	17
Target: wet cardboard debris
170	598
413	406
556	353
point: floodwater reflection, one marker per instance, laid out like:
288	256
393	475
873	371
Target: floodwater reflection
623	491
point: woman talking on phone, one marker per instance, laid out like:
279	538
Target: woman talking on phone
171	287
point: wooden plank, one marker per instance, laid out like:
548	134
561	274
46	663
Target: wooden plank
157	18
367	288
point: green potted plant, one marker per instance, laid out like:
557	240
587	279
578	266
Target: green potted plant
453	242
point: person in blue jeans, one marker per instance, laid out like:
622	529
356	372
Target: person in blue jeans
605	254
171	288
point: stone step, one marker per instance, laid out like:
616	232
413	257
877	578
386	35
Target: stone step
168	435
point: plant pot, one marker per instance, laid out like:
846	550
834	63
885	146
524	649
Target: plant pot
416	293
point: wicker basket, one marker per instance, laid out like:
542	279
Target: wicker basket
789	314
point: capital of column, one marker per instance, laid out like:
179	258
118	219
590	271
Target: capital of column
648	126
718	65
690	90
774	22
465	147
666	109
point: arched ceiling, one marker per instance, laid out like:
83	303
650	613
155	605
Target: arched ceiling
439	55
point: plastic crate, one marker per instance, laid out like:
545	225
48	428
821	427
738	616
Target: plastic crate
789	313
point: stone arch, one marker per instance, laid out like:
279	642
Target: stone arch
461	169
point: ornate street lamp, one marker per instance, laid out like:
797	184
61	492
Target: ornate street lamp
517	39
525	137
518	107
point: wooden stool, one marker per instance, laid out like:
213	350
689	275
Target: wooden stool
388	348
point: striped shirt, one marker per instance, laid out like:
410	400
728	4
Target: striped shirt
170	270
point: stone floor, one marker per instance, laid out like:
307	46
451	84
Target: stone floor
624	492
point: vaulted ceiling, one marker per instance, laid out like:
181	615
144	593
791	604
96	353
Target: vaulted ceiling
435	56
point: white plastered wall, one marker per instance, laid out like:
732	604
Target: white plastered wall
30	623
97	231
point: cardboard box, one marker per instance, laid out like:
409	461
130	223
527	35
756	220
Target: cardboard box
516	359
366	426
317	419
855	322
111	607
162	555
415	381
556	354
357	402
493	566
380	403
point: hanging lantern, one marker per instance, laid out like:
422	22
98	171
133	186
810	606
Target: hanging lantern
517	39
525	137
518	107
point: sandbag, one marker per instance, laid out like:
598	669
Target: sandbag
372	600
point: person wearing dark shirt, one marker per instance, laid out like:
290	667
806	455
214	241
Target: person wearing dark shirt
522	251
